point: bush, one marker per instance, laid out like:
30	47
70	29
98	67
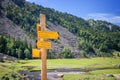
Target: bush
1	60
66	53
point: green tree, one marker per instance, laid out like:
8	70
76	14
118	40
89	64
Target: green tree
3	44
27	53
66	53
18	52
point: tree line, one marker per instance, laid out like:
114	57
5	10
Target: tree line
16	48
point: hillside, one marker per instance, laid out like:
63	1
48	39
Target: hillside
8	28
67	39
78	37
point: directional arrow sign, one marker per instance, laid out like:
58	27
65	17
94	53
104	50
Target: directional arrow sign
48	35
44	44
36	53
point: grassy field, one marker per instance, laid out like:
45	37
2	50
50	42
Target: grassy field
74	63
101	67
87	77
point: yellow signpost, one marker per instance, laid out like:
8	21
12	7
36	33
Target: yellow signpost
36	53
42	44
46	35
38	27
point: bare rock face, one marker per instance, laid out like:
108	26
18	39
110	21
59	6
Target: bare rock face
66	40
8	28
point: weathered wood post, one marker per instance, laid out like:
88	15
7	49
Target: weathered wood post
42	44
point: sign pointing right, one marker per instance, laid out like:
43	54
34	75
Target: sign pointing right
48	35
44	44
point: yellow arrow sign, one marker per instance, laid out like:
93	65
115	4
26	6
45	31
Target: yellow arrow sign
44	44
36	53
48	35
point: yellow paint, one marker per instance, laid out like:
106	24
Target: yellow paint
48	35
44	44
36	53
38	27
41	43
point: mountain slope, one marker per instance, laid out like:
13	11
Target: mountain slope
67	39
81	37
8	28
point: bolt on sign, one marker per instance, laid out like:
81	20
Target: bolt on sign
42	44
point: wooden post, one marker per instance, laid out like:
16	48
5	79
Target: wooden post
43	50
42	44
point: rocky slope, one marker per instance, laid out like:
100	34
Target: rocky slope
67	39
8	28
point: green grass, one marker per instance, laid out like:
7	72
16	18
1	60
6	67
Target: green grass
101	65
6	71
93	75
74	63
86	77
106	71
